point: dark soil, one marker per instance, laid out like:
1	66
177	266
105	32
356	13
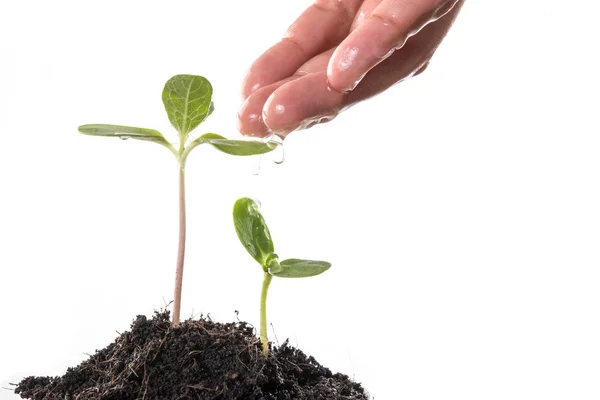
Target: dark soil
200	359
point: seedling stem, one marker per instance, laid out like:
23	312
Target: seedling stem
267	277
181	247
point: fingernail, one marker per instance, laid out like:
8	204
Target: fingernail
249	123
246	92
277	109
271	111
341	61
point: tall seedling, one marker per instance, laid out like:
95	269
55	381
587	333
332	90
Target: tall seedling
187	101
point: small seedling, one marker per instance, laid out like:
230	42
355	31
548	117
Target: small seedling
187	101
256	238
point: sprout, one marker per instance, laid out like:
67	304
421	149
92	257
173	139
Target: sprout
256	238
187	101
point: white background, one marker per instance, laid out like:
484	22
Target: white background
460	209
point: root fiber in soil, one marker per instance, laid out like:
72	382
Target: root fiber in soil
198	360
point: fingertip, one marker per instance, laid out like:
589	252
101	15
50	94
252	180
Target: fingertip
276	116
249	119
301	103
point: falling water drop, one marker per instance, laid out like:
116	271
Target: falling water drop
278	155
256	167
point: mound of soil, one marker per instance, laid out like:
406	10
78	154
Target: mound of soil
200	359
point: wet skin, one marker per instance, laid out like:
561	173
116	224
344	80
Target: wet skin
337	53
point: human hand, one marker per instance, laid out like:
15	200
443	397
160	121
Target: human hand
337	53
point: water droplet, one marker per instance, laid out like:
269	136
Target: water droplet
256	167
257	201
268	138
320	119
278	155
123	137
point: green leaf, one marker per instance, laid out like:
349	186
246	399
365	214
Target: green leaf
238	147
295	268
252	231
187	100
124	132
